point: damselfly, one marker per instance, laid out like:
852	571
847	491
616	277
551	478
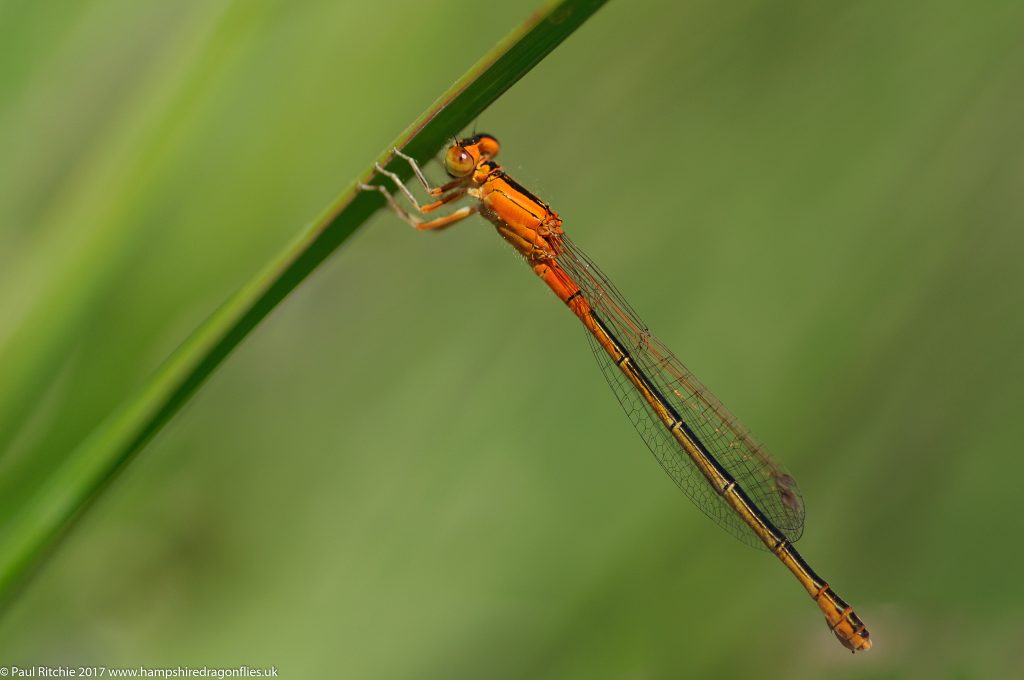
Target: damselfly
701	446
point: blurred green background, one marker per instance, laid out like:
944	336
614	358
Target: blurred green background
413	469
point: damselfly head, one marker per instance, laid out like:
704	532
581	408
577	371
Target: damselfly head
465	155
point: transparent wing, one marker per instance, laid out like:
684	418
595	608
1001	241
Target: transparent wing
764	480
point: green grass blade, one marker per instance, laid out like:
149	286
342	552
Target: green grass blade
60	498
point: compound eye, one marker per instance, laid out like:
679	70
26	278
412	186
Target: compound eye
459	162
489	146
